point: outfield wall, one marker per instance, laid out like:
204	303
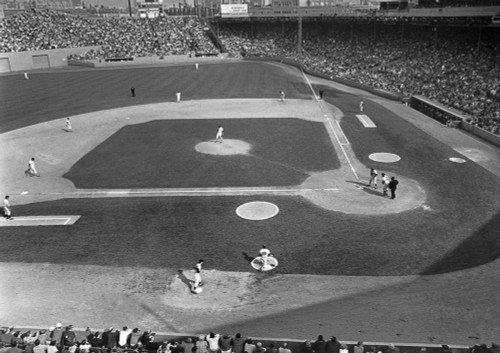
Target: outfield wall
40	59
147	60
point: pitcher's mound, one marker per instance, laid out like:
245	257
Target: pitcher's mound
228	147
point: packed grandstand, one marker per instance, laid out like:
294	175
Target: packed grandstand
66	339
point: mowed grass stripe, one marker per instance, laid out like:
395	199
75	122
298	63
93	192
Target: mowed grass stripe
171	232
48	96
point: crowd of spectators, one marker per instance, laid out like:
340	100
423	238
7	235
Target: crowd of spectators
119	37
457	3
444	64
59	339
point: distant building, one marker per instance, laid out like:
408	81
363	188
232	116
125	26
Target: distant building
150	8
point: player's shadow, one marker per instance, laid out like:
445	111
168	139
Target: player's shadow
247	257
184	279
366	188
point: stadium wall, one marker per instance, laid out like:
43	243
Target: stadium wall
442	114
294	344
147	60
40	59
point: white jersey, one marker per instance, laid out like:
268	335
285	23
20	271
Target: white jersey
264	252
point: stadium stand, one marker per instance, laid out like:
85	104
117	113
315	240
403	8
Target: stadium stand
122	37
457	3
445	64
59	339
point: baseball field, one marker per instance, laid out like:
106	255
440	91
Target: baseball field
150	192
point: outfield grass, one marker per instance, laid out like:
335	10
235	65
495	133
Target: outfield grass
48	96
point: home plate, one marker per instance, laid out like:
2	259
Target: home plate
26	221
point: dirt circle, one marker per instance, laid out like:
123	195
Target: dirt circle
227	147
257	210
384	157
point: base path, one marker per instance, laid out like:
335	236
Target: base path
39	221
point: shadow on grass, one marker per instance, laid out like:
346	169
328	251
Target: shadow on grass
158	317
368	189
247	257
480	248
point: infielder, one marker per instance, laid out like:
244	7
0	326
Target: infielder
220	134
197	275
68	127
31	171
6	208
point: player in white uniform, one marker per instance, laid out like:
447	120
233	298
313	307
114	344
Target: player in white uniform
264	254
361	106
373	177
220	134
282	96
385	184
197	276
6	208
31	171
68	127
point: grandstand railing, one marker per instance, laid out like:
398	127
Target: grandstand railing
296	345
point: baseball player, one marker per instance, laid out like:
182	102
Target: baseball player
6	208
31	171
373	177
264	253
197	275
220	134
68	127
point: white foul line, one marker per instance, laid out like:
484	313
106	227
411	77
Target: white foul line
42	219
329	122
342	132
205	191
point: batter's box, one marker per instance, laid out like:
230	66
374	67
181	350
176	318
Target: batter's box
27	221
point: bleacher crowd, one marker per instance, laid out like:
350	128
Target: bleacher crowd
122	37
59	339
446	67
